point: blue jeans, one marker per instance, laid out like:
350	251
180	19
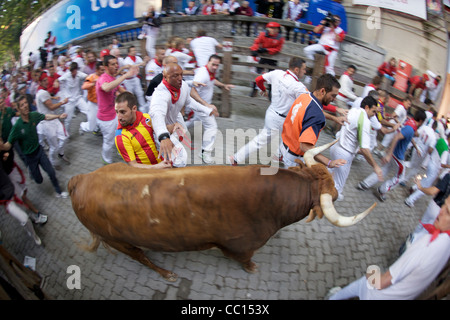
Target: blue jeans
37	158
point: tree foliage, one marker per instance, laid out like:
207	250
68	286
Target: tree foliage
14	16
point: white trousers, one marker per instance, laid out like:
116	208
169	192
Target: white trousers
209	124
288	158
340	174
273	123
53	131
134	86
331	56
433	169
108	129
388	137
395	165
69	108
91	123
357	288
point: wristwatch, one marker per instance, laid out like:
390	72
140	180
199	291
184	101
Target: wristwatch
163	136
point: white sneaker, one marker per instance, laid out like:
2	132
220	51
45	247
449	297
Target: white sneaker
39	218
340	197
206	158
63	195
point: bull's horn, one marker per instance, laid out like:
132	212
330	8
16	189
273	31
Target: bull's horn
326	203
311	153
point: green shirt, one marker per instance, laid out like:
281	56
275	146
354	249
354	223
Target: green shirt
25	133
6	115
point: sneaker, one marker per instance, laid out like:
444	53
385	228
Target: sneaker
63	195
37	240
362	186
231	161
206	158
39	218
409	203
64	158
332	292
403	184
381	196
340	197
97	133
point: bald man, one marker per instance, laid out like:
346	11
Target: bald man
168	99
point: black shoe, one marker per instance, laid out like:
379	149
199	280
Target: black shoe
253	93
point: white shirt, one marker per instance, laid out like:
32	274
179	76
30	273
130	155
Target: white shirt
70	87
41	97
202	76
183	58
163	112
356	133
294	10
401	113
203	48
367	90
152	69
345	92
221	8
413	272
129	61
426	138
328	37
286	87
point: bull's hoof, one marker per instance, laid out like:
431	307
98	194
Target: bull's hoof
170	276
251	267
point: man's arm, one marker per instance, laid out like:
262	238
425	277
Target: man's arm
53	106
368	156
321	158
55	116
109	86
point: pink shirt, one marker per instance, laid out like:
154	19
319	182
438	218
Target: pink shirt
105	100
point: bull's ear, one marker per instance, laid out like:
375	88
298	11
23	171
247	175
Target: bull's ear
300	163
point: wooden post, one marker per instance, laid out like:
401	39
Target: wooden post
24	280
318	69
225	108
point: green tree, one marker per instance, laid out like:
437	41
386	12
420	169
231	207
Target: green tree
14	17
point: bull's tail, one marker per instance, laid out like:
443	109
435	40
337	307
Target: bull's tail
93	246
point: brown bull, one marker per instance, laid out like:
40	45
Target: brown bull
195	208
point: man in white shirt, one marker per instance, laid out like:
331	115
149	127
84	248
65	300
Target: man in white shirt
207	76
399	117
286	87
155	66
346	95
52	130
329	42
70	87
413	272
167	101
438	151
204	47
354	136
134	84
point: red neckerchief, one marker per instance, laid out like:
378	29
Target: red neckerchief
157	63
139	116
133	58
372	86
346	73
174	92
435	232
92	64
41	88
410	122
292	75
176	50
212	76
